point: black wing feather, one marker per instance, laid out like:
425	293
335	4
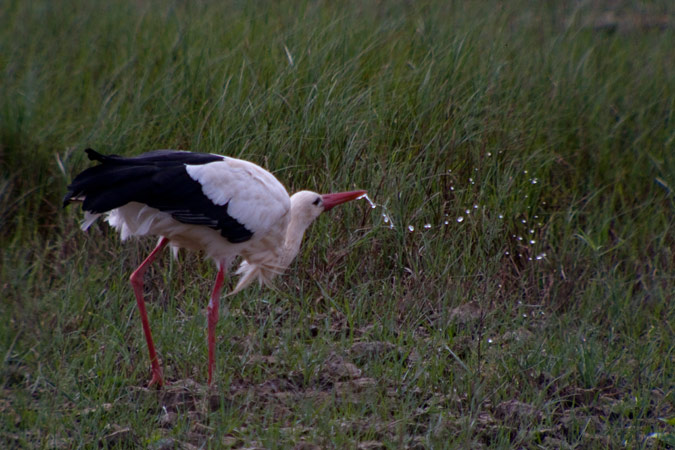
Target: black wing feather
159	180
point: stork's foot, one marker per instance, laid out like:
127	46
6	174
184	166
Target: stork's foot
156	379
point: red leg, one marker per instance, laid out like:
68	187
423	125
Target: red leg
212	310
136	279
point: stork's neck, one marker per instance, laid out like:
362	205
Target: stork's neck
269	258
294	233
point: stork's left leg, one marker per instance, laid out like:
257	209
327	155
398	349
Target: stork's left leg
136	279
212	310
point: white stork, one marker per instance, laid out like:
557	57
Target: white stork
223	206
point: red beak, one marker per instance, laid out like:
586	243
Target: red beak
332	200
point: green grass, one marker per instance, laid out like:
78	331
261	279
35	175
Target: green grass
456	336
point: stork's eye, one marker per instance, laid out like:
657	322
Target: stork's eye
317	201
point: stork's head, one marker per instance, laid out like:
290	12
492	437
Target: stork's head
307	206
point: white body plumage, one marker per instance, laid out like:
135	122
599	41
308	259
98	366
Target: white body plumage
251	196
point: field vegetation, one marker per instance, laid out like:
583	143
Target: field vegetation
511	287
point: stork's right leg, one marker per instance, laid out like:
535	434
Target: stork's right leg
136	279
212	310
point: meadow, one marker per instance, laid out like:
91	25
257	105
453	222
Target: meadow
511	285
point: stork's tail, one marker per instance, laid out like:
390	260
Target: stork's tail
96	156
76	194
92	176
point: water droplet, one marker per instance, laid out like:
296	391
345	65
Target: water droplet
427	226
411	228
475	206
388	220
489	154
524	171
541	256
532	241
452	188
507	253
531	231
524	221
468	211
535	181
520	238
525	315
372	205
490	341
501	216
460	219
446	222
471	180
